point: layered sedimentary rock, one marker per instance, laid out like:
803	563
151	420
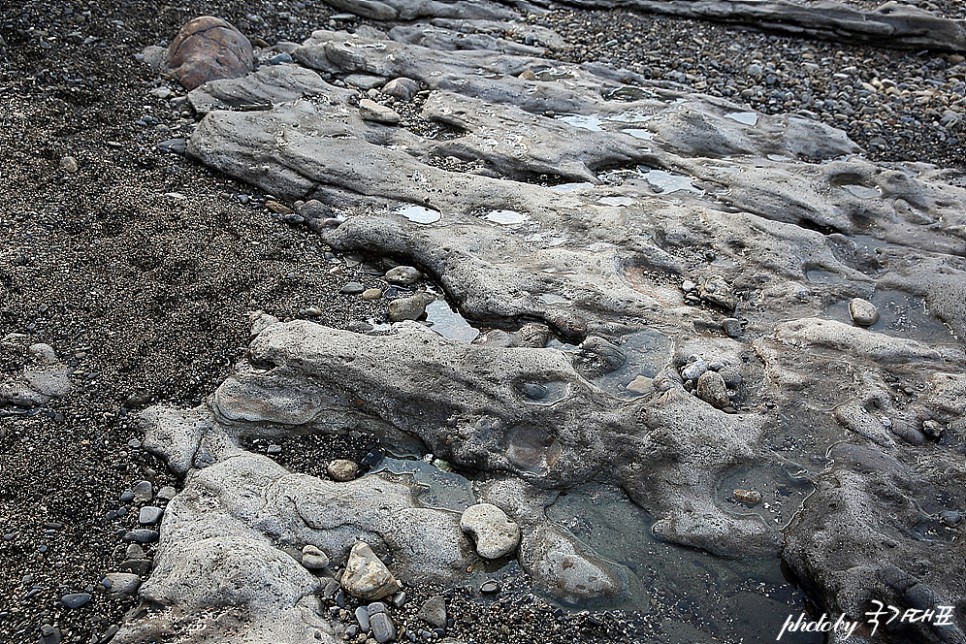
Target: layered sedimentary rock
695	263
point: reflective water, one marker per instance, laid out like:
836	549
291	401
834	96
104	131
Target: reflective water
901	315
591	122
644	135
666	183
419	214
745	118
449	323
506	217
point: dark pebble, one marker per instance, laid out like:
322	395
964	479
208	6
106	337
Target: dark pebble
173	146
951	517
139	567
50	634
109	634
141	535
76	600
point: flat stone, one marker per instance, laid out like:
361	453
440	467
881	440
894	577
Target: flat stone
149	515
142	535
403	275
362	617
640	385
494	533
373	111
371	294
136	566
433	611
863	312
76	600
366	577
352	288
143	491
383	630
750	498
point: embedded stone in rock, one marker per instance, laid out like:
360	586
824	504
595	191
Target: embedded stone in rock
597	356
711	388
208	48
370	110
313	558
495	534
342	470
410	308
249	399
716	290
863	312
366	577
403	275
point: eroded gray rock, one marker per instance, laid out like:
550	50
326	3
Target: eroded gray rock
495	535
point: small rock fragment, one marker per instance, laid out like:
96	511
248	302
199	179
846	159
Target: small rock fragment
371	294
863	312
76	600
410	308
122	583
370	110
711	388
495	534
433	611
352	288
731	327
750	498
143	491
694	368
383	630
149	515
715	290
366	577
640	385
69	165
402	88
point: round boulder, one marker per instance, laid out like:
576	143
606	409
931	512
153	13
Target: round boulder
208	48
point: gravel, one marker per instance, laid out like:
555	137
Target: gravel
141	268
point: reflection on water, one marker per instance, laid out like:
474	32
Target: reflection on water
745	118
901	315
419	214
506	217
449	323
693	594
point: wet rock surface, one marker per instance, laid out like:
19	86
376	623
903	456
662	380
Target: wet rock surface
659	275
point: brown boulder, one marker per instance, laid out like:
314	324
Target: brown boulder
208	48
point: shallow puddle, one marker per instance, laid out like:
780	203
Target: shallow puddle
505	217
667	183
745	118
690	591
900	315
449	323
419	214
584	122
437	489
637	133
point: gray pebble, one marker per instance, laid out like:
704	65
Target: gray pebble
127	496
695	367
863	312
490	587
410	308
433	611
138	567
383	630
352	288
50	634
342	470
166	493
362	616
149	515
122	583
143	491
732	327
403	275
313	558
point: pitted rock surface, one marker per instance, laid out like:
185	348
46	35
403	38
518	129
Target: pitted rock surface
693	263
